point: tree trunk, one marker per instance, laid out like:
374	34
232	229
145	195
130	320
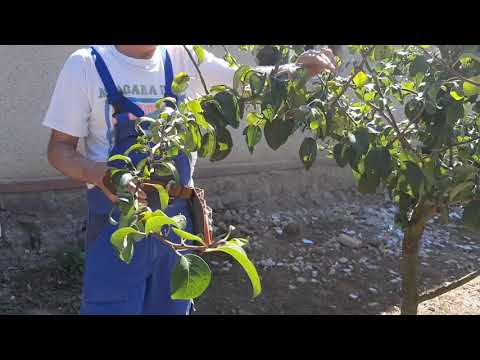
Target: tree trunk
410	249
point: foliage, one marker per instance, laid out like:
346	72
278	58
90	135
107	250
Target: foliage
406	119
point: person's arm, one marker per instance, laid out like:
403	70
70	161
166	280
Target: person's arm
314	61
63	156
217	71
67	117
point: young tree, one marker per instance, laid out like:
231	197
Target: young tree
425	156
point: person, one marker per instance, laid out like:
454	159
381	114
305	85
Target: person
98	92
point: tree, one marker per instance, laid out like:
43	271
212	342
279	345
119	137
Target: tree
425	156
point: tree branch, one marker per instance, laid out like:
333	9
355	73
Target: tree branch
228	52
391	118
198	69
457	144
444	289
350	79
448	68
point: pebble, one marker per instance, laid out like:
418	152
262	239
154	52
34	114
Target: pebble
373	304
278	230
451	262
292	287
464	247
373	290
349	241
314	273
301	280
266	262
354	296
292	228
343	260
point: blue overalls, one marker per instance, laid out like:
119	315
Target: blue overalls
112	287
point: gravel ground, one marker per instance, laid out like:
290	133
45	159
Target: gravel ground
330	253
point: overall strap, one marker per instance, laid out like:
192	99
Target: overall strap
120	103
167	63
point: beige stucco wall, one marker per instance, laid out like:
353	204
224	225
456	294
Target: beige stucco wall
27	80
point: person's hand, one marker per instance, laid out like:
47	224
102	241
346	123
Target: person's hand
99	175
317	61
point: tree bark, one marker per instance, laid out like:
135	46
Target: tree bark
410	249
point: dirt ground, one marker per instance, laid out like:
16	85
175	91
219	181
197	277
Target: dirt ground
335	253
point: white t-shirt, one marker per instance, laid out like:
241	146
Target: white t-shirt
79	106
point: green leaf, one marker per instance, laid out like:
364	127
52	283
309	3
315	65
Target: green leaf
187	236
379	162
383	51
180	221
200	53
360	141
413	108
180	83
415	177
253	119
455	95
241	257
278	92
137	147
229	108
460	188
238	241
121	179
208	146
308	152
163	194
128	216
194	106
360	79
471	216
228	57
455	111
123	239
224	137
213	113
160	103
253	135
419	65
156	223
256	81
340	155
464	173
200	120
123	158
166	168
368	183
118	237
469	89
240	75
277	132
190	278
194	135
